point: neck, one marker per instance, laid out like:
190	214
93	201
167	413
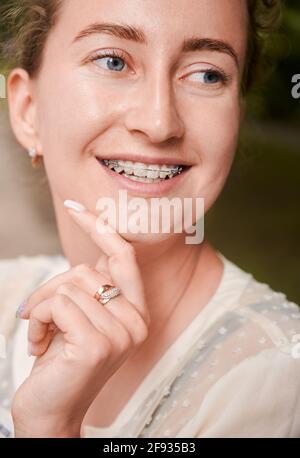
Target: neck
167	271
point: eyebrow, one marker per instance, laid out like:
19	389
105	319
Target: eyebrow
131	33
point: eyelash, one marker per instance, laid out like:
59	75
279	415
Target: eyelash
113	53
224	77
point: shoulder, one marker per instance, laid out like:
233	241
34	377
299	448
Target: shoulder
259	397
266	324
253	358
19	277
272	313
257	306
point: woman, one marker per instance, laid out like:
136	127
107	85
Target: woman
186	344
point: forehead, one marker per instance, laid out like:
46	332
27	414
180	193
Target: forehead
164	23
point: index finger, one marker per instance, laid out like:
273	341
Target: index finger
122	262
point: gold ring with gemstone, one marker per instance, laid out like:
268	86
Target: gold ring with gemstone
106	292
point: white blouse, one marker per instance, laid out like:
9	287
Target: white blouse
233	372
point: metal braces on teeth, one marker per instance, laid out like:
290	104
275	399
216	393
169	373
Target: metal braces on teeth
115	164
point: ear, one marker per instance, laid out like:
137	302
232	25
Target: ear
22	109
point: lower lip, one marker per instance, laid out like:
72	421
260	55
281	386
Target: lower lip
145	189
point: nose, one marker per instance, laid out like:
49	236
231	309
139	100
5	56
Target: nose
153	111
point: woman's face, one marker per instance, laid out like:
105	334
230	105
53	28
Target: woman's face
157	99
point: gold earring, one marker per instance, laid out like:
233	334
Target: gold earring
35	158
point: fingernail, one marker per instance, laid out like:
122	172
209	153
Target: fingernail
73	205
29	349
20	309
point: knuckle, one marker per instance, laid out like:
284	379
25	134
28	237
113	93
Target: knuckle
142	332
80	274
98	350
60	300
104	277
65	288
125	341
81	269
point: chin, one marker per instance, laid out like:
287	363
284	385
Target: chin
148	239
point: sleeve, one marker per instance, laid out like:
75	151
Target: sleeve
6	424
18	278
9	272
260	397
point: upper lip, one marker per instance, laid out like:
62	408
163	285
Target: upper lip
146	159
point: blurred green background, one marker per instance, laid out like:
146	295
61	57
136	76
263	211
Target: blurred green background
256	220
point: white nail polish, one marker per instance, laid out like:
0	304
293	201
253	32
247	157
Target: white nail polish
74	205
29	349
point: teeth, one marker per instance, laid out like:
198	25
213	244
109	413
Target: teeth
142	180
163	174
153	174
119	169
139	170
146	171
128	170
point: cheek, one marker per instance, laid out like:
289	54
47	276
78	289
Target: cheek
215	133
213	137
76	117
72	112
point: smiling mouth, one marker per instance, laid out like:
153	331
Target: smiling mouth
145	173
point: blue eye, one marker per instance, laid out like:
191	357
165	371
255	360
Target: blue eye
114	61
209	77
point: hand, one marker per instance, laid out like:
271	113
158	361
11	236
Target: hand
79	343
